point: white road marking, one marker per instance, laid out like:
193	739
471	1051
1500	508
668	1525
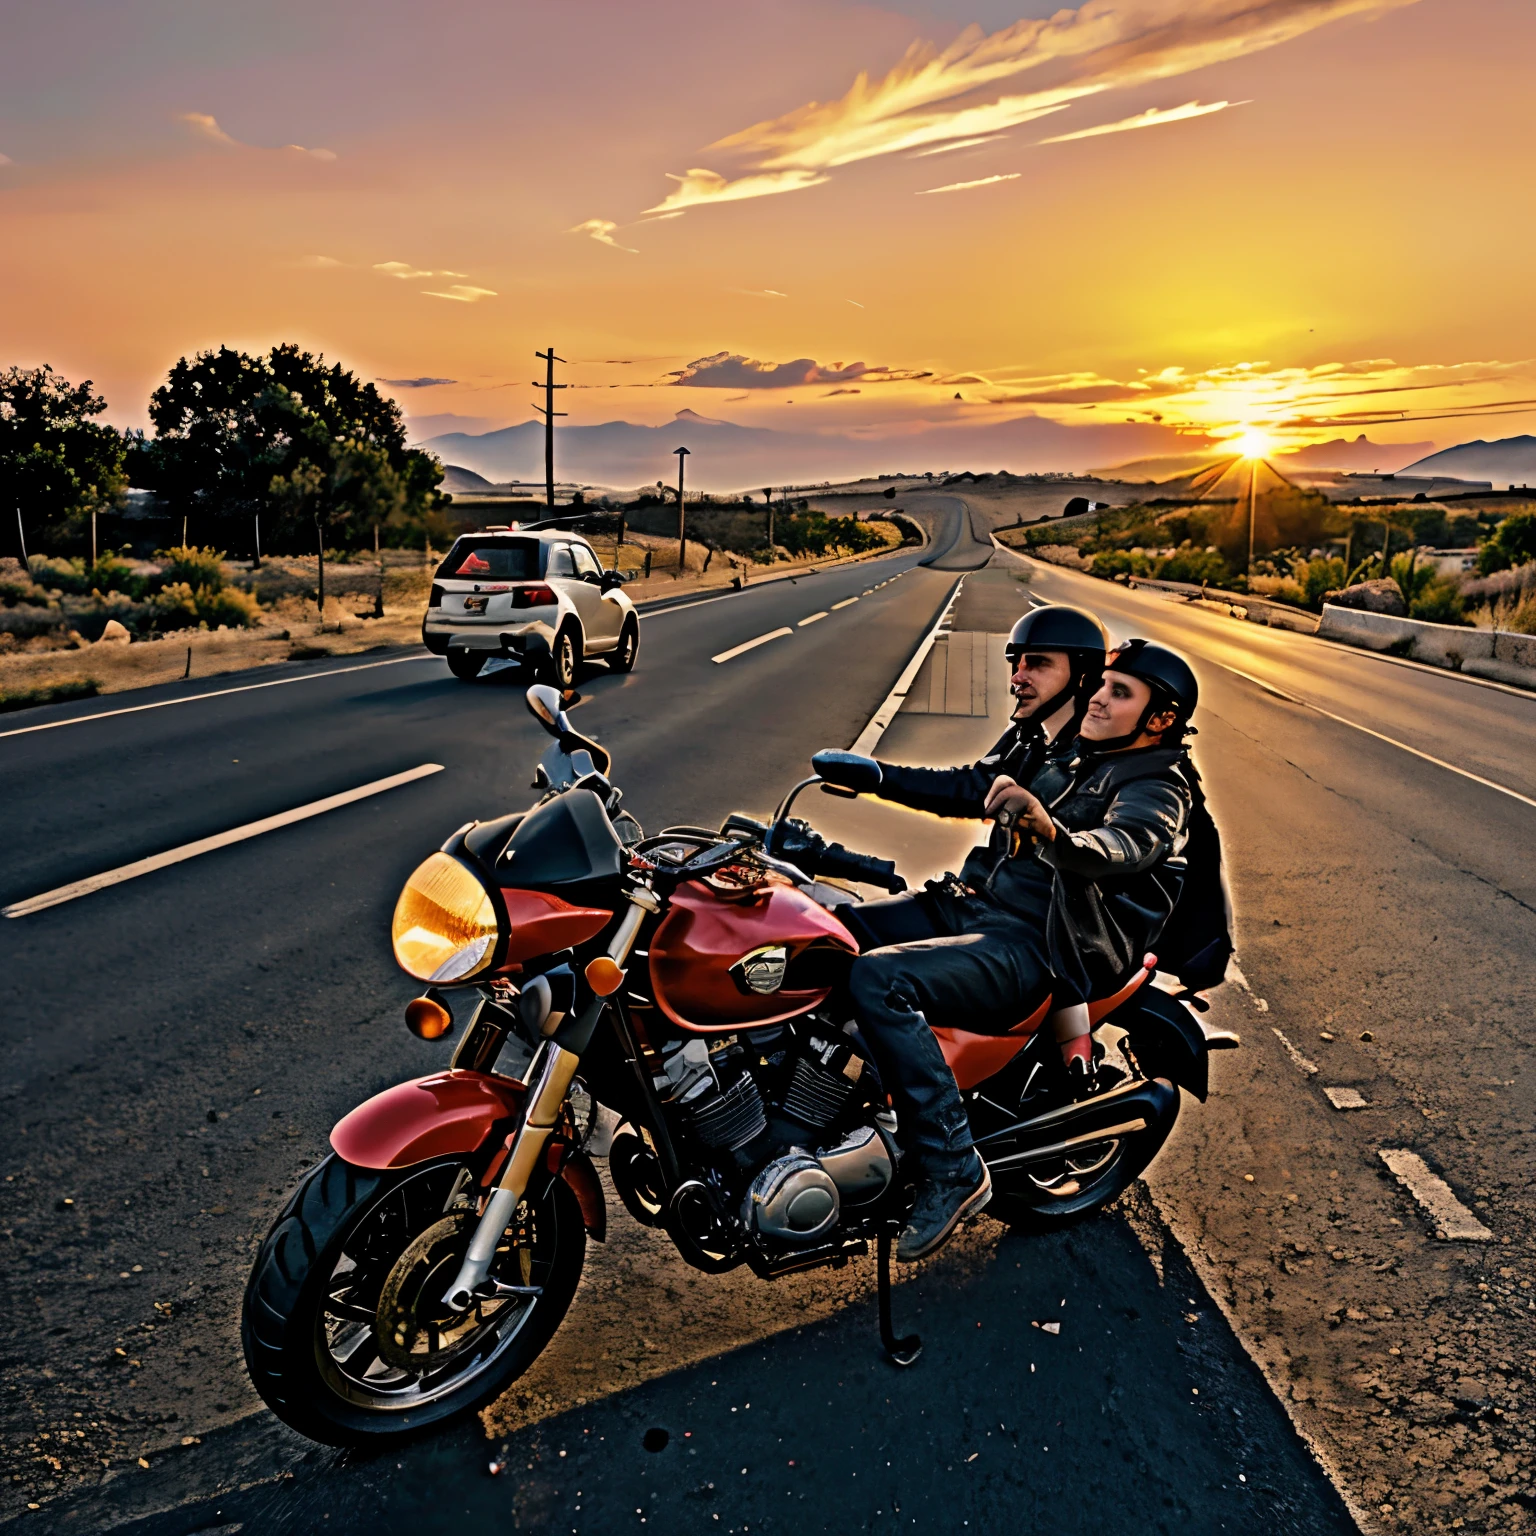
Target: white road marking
751	645
148	866
1452	1221
1300	1062
1391	741
847	602
870	736
811	619
217	693
1345	1098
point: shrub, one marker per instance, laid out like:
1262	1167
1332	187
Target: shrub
24	620
48	693
1439	601
1513	542
1110	563
173	607
237	609
194	566
59	574
1194	565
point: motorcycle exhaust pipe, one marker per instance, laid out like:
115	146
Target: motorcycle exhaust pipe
1124	1111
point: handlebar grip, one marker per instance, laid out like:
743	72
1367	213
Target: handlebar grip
839	861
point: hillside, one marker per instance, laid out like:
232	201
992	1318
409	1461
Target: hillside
1507	461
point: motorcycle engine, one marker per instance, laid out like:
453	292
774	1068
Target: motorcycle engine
785	1118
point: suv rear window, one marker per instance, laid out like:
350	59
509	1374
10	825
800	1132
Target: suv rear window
488	558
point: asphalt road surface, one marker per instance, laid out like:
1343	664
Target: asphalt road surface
178	1045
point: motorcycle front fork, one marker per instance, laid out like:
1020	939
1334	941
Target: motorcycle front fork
549	1080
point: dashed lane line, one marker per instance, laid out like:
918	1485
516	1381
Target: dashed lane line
217	693
251	829
847	602
752	645
1452	1221
1300	1062
811	618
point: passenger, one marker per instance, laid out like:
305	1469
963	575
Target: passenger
1075	885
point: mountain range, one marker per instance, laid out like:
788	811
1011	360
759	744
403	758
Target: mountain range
1507	461
725	456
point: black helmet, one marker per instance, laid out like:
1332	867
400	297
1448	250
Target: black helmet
1058	627
1169	676
1078	635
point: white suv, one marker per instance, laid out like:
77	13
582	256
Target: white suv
538	597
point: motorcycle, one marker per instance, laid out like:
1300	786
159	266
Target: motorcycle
691	982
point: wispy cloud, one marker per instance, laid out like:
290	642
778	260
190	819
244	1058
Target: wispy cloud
6	160
758	293
854	302
965	186
425	382
698	187
938	97
1153	117
944	149
402	269
601	230
204	125
829	394
461	293
320	263
732	370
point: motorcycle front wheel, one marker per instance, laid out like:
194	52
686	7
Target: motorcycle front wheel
345	1335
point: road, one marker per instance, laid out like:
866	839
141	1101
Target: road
178	1046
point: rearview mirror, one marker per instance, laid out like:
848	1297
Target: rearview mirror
848	770
544	706
610	580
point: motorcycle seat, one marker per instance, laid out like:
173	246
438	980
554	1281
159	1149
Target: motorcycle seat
974	1058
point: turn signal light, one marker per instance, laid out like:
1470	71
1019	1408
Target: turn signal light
427	1019
538	596
604	976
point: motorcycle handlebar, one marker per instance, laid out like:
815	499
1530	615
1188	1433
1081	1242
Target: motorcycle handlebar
839	861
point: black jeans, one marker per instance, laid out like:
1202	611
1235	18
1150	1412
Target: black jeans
939	959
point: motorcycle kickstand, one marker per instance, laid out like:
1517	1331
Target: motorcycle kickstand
903	1351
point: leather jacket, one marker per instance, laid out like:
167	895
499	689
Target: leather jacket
1105	887
961	792
1116	867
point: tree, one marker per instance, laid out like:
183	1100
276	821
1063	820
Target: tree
304	444
1513	542
57	466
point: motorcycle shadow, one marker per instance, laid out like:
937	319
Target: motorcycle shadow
1083	1379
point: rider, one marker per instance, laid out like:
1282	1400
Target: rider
1085	875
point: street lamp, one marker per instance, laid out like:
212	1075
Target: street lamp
682	535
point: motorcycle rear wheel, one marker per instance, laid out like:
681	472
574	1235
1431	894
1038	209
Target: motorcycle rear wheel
1059	1194
308	1324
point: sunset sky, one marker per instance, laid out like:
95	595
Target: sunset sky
1180	218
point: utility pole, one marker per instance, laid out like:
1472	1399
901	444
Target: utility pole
1386	545
1253	496
256	520
21	534
682	528
93	537
768	502
548	411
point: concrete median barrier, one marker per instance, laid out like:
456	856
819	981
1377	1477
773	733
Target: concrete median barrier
1496	654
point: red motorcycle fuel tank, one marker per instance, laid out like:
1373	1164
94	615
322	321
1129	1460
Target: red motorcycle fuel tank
715	959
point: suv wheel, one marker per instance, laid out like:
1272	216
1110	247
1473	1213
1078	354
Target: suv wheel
623	658
465	665
564	659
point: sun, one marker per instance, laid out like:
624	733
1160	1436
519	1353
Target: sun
1252	444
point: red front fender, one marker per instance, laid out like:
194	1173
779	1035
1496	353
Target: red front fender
452	1114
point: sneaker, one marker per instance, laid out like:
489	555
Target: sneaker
941	1206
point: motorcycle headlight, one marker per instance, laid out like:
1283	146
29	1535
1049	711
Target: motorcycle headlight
445	922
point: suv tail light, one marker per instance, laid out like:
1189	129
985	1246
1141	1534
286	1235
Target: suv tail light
538	596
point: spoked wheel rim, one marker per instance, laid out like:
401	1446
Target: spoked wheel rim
564	659
460	1349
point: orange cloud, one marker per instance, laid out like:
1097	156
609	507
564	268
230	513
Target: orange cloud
965	186
1153	117
601	230
204	125
927	101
